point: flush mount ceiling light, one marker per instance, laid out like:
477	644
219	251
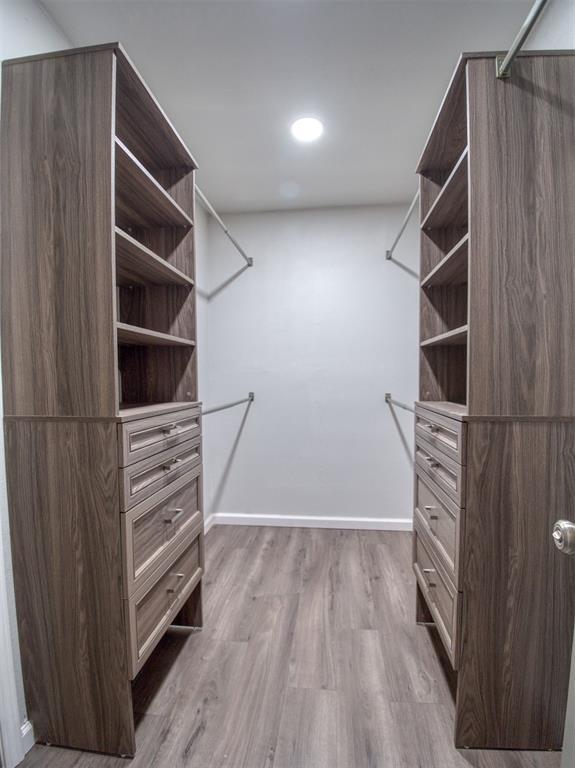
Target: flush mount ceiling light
307	129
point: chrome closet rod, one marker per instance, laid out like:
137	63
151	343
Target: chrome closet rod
249	399
210	208
389	253
503	63
390	401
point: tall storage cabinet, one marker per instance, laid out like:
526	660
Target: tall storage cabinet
102	420
495	425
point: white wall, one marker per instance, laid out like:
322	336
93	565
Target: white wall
555	28
320	328
25	29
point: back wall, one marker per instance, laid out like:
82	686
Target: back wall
320	328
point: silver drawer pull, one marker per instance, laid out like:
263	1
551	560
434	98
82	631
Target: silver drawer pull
428	508
433	428
171	590
171	465
167	428
179	575
429	572
432	463
175	514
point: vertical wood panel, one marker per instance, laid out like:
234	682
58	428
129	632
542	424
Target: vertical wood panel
522	237
518	589
63	494
57	236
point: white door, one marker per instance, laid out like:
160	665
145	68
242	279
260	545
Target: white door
568	759
564	537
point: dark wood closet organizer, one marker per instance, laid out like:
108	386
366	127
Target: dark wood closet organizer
102	420
495	425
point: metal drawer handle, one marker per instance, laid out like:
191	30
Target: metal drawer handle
428	508
171	465
432	463
176	513
433	428
167	428
171	590
428	572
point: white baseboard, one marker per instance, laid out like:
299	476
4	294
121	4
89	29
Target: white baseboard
208	523
312	521
27	735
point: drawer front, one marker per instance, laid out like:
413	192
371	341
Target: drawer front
139	439
439	593
441	520
448	435
156	604
150	475
448	474
155	527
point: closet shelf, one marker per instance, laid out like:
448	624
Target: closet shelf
452	269
450	206
452	410
138	265
140	200
456	337
133	334
136	411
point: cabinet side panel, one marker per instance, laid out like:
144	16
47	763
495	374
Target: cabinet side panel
518	589
64	518
58	356
522	237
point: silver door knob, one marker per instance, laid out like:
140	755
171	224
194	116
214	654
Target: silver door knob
564	536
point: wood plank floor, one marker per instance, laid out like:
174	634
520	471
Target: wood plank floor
310	658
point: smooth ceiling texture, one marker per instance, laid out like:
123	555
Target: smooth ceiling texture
234	75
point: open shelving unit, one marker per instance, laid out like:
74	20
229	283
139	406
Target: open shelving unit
495	420
444	202
155	272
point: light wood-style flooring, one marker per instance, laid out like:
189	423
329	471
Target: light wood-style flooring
309	658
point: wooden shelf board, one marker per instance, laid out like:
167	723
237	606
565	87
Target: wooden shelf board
160	145
453	410
138	265
133	334
455	337
452	269
134	411
140	199
450	207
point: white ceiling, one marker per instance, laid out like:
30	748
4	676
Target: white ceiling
233	75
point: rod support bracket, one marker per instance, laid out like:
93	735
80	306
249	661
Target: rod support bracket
388	255
250	261
251	397
500	73
388	397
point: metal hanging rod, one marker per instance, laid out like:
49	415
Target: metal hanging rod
390	401
503	63
249	399
210	208
389	253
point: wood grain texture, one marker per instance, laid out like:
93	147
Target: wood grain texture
221	697
142	124
133	334
63	496
57	278
519	591
522	237
452	269
138	265
450	206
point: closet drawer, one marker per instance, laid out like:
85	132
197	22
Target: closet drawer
156	603
448	435
441	520
440	594
448	474
139	439
154	528
150	475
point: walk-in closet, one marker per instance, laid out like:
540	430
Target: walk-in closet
287	305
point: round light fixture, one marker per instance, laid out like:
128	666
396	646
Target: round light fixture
307	129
